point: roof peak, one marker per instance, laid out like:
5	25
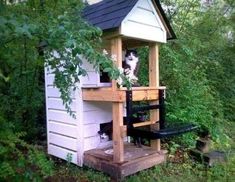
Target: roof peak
109	14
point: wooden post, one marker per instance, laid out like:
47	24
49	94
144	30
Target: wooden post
153	65
154	82
118	144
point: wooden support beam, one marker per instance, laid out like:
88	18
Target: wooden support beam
154	82
110	95
124	131
116	52
103	95
154	65
118	144
144	95
143	123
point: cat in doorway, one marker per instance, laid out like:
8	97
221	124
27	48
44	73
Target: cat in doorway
106	129
130	64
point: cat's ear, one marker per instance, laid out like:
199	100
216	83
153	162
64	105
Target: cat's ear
127	52
135	52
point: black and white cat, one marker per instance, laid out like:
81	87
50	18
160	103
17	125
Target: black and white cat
130	64
106	130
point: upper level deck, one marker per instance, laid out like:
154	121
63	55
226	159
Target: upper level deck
109	95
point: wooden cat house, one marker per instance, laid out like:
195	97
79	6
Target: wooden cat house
126	24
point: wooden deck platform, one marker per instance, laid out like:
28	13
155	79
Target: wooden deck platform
135	160
109	95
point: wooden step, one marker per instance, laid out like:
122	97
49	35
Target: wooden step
135	160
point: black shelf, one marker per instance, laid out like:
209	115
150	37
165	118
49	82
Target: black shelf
165	131
148	133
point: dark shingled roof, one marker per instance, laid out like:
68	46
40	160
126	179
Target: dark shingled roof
109	14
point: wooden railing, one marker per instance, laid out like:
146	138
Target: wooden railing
109	95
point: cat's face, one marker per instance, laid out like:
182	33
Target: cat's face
131	56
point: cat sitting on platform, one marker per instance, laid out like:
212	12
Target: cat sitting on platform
130	65
106	129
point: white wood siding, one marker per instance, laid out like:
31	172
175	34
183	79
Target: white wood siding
91	130
92	1
97	112
63	141
68	135
61	116
94	106
62	128
62	153
143	22
50	79
63	135
93	78
91	136
57	104
91	117
91	142
80	132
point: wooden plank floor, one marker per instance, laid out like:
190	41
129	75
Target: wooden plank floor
135	160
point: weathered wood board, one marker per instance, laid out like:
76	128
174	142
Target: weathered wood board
135	159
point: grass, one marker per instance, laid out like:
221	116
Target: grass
168	172
185	170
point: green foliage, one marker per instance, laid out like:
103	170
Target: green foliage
33	34
18	160
21	89
169	172
143	73
68	37
25	30
184	169
198	67
188	171
38	33
71	172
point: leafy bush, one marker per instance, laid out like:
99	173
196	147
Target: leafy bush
197	67
18	160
